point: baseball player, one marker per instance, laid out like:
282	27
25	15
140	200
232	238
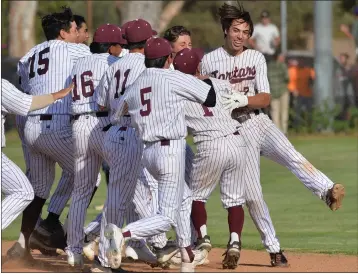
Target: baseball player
16	188
87	128
48	132
81	28
158	93
220	157
246	71
122	147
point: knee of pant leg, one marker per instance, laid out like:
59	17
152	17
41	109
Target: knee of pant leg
232	203
28	195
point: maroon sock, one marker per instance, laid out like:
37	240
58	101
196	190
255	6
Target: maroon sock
190	253
198	216
126	234
236	219
30	216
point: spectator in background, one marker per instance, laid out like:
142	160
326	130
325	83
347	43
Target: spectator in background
278	78
354	33
266	36
304	94
342	74
81	28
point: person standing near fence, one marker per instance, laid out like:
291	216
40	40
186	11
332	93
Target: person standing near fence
278	78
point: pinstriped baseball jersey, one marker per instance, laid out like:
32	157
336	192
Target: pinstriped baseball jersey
117	78
49	69
13	101
86	75
210	123
246	72
156	102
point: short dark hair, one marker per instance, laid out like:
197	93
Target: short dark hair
96	47
79	20
53	23
156	63
229	13
137	45
173	33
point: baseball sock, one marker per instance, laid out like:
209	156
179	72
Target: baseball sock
30	217
236	222
52	218
187	254
198	217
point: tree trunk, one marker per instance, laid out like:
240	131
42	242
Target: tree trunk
147	10
171	10
22	27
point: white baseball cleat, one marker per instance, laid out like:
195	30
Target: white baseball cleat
200	257
166	253
90	249
141	253
187	267
116	245
75	260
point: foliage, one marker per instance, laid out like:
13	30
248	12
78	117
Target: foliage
324	118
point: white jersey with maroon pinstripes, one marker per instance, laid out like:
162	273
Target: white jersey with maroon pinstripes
210	123
12	101
49	70
86	74
156	102
117	78
246	72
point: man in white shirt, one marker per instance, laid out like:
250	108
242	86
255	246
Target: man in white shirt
266	36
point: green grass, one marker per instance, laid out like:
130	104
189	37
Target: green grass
303	222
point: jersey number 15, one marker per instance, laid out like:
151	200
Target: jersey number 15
42	61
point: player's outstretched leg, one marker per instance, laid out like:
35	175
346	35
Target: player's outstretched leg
278	148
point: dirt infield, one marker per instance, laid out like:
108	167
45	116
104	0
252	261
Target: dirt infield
250	261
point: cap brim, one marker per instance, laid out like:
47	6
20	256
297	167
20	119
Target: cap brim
199	52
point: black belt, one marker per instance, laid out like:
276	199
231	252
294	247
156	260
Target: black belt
97	114
165	142
45	117
244	117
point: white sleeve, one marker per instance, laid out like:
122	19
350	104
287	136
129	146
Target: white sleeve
190	87
102	92
13	100
203	68
261	81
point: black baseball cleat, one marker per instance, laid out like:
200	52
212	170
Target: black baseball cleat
17	252
232	256
48	237
278	259
203	243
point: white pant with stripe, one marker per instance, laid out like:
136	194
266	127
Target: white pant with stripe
123	151
261	135
17	191
49	142
88	136
220	160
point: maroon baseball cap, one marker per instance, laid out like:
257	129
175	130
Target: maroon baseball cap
108	33
156	48
138	30
187	60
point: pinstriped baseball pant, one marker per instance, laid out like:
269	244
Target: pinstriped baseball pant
16	189
261	135
49	142
123	151
88	138
167	165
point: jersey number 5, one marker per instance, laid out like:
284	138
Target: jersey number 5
43	61
118	78
145	102
84	85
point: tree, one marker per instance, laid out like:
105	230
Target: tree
22	27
